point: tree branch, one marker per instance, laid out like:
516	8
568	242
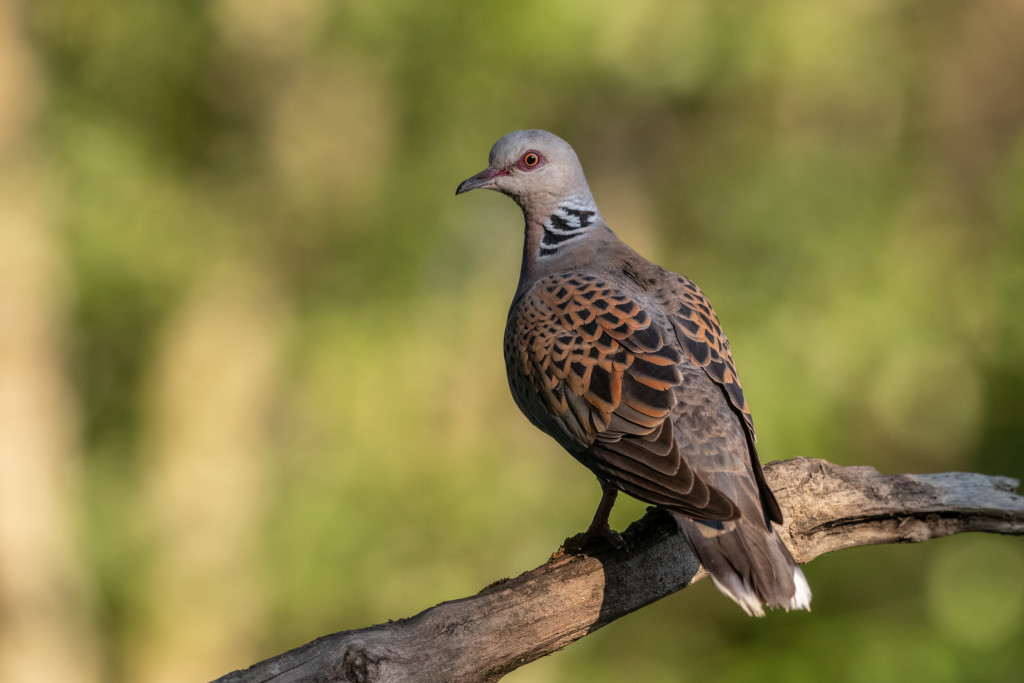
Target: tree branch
515	621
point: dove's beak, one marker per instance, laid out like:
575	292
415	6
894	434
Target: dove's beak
484	179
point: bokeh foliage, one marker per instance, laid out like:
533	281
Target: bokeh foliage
283	332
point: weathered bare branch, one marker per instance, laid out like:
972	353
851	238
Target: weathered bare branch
515	621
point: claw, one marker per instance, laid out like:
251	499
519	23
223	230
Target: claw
599	530
594	539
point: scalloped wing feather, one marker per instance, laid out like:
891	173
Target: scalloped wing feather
701	337
591	366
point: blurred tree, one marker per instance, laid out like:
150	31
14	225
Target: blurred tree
843	180
46	626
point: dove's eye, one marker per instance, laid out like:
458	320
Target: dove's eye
530	161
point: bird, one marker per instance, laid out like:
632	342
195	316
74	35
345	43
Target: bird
624	363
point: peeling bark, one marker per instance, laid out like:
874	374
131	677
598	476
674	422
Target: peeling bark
515	621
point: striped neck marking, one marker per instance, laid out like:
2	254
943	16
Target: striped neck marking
567	223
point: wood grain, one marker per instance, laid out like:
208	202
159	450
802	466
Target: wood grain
515	621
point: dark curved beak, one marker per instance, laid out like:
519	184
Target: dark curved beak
483	179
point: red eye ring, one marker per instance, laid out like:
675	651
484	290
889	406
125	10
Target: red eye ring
530	160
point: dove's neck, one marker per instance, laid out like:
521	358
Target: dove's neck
557	237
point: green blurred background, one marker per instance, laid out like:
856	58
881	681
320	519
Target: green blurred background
251	385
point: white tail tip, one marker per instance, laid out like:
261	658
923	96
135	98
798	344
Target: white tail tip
802	596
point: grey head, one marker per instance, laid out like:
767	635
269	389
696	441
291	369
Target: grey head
538	169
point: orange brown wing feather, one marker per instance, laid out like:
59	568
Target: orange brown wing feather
590	365
701	337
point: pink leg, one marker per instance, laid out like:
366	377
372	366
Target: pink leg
599	527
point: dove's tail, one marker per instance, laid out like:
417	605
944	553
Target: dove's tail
749	563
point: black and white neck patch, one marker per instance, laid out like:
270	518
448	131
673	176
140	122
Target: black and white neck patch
567	223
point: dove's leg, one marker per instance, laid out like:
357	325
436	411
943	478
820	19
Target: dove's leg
599	531
599	527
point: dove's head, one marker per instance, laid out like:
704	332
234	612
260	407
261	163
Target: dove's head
534	167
